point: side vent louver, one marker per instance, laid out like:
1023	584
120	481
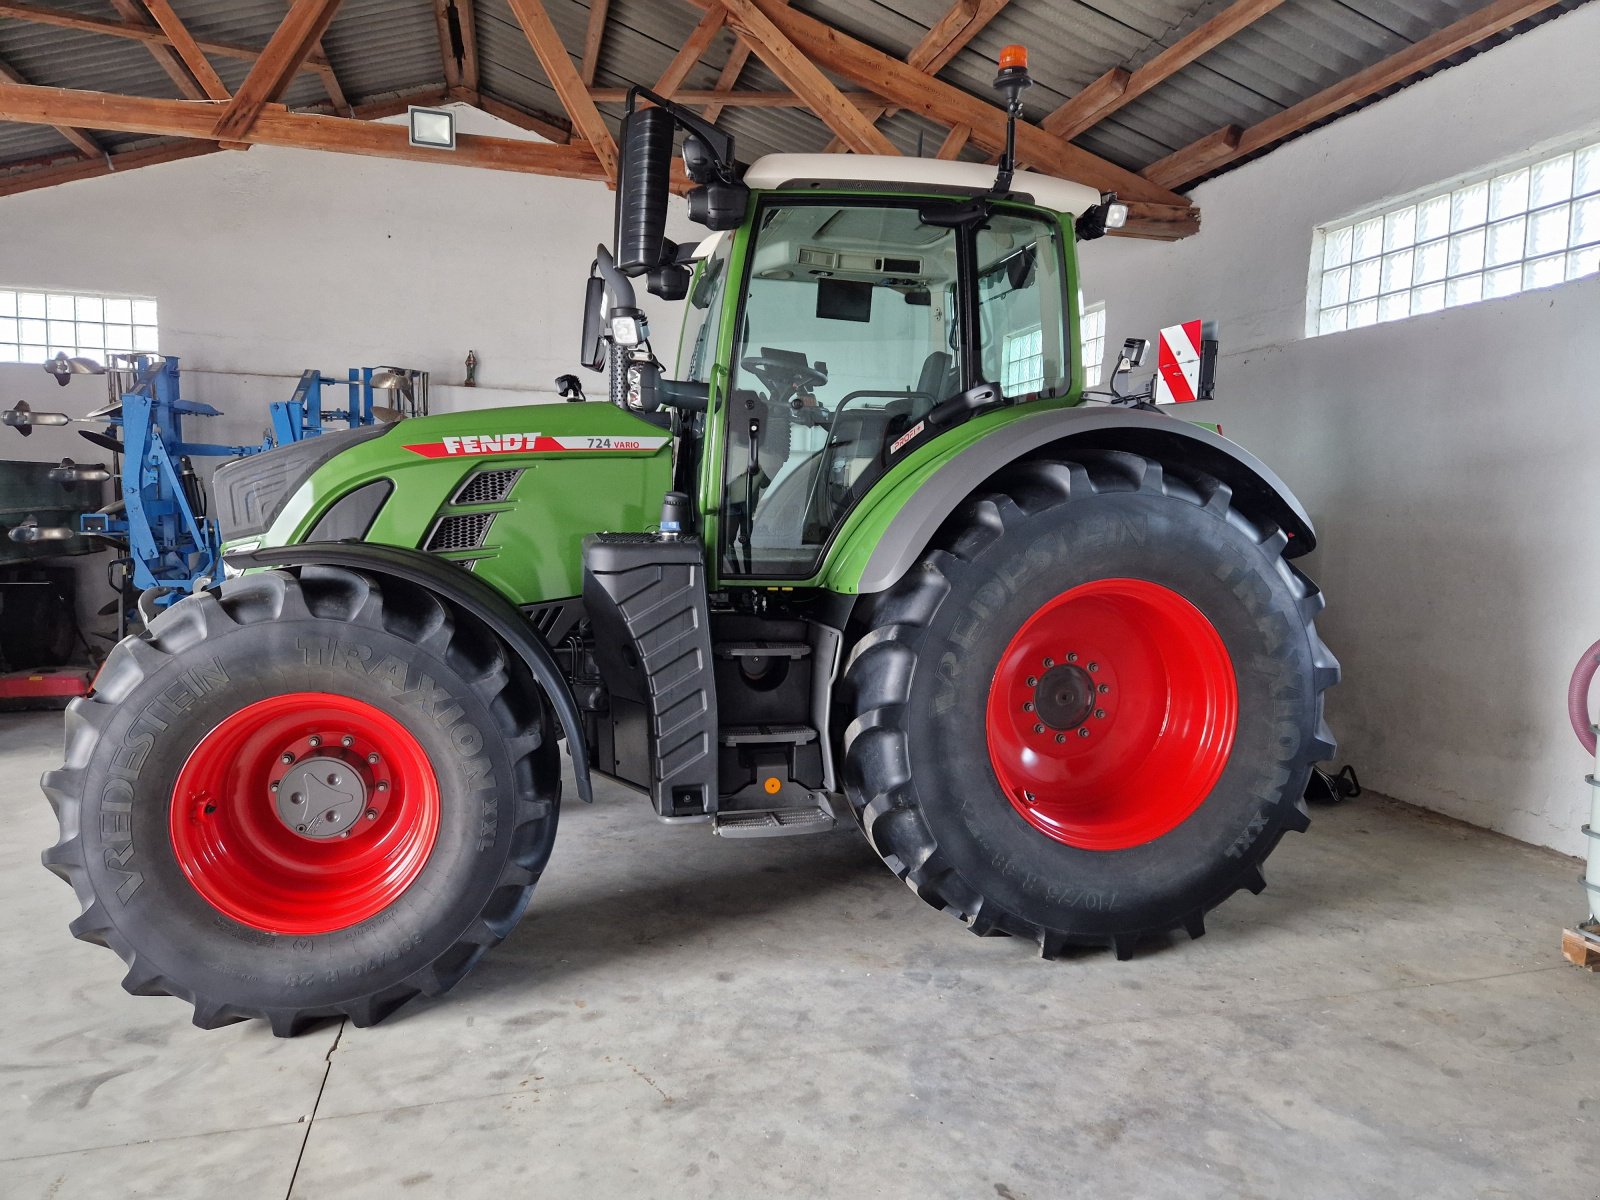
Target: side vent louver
487	487
463	532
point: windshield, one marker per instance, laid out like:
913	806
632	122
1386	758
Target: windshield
697	350
847	339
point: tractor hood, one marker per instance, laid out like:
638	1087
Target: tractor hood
506	493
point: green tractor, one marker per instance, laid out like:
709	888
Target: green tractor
867	555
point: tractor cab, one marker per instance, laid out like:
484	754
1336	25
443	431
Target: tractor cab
849	311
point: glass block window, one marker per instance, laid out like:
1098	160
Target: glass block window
1093	326
1022	362
1506	232
35	326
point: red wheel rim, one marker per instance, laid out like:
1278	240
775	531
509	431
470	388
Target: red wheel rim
1111	714
304	813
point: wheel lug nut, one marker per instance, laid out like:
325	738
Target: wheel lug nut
1060	737
1033	681
372	814
1049	662
1038	728
347	741
1072	658
383	785
1084	732
275	785
1100	713
288	756
1027	706
314	740
373	757
1094	667
1103	688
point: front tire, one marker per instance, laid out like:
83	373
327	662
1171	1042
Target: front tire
305	795
1089	713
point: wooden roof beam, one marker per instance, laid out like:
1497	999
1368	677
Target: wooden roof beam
82	141
1397	68
276	126
688	55
566	80
543	124
946	38
901	84
1104	96
133	13
15	182
593	37
738	99
188	50
147	33
294	41
803	75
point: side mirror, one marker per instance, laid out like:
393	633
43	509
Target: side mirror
644	180
592	353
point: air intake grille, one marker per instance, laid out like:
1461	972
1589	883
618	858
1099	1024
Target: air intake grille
487	487
464	532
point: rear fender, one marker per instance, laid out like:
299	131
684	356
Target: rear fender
466	592
1168	440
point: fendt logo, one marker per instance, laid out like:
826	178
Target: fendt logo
475	445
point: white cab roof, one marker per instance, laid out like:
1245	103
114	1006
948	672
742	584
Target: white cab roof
772	171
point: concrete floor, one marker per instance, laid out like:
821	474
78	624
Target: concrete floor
680	1016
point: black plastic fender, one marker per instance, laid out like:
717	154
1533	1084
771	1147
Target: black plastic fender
460	588
1168	440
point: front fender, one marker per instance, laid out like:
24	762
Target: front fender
891	543
467	592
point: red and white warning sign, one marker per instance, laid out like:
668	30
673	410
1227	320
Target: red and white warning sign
1178	364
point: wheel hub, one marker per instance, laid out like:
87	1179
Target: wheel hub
304	813
1064	696
321	797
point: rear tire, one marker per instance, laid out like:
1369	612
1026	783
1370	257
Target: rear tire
190	866
978	782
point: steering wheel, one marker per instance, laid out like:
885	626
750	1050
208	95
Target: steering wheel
784	377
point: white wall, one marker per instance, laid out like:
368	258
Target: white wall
268	262
1451	461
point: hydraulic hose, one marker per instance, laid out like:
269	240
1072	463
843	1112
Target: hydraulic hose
1578	696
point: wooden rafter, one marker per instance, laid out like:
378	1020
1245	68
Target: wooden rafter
946	38
294	41
731	70
688	56
51	174
276	126
1196	158
903	85
188	50
955	141
330	81
134	13
458	42
149	34
543	124
1104	96
81	139
804	77
1419	56
593	37
565	79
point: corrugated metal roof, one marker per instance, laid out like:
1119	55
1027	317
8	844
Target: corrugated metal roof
381	47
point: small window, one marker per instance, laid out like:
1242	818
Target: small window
1497	234
1093	325
36	326
1022	362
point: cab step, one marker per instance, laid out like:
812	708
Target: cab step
761	649
773	822
767	735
